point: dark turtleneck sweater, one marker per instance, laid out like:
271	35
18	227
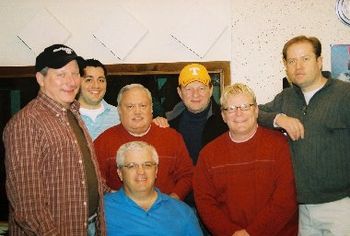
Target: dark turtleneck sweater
191	127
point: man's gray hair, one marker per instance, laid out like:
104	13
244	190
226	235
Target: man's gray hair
44	71
131	86
133	146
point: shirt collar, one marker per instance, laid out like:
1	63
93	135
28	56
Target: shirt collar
55	106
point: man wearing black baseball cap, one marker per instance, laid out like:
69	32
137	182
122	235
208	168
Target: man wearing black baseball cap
56	56
53	182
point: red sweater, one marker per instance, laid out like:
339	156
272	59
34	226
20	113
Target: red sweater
247	185
175	165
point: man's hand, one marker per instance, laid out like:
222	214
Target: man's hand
293	126
161	122
241	232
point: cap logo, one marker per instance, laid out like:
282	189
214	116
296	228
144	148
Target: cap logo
67	50
194	70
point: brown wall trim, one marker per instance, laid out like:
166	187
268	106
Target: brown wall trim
130	69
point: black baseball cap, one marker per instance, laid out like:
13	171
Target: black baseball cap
57	56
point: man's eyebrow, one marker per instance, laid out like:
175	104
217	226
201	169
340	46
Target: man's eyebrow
88	76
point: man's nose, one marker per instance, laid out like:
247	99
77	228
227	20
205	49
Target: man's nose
140	169
95	84
196	93
299	64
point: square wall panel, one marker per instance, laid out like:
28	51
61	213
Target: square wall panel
42	31
120	33
198	30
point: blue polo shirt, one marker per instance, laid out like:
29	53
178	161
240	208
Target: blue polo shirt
108	118
167	216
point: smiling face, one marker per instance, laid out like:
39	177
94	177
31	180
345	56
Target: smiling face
93	87
61	84
195	96
242	124
140	178
303	67
135	110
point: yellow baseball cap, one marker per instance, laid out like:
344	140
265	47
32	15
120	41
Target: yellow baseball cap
194	72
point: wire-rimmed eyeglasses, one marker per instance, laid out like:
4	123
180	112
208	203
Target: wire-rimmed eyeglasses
233	108
148	165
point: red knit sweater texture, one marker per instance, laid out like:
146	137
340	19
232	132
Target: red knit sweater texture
247	185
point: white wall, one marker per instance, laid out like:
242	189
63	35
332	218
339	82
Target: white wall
82	19
249	33
260	29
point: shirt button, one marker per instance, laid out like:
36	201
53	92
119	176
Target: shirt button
67	123
84	203
57	115
80	161
82	182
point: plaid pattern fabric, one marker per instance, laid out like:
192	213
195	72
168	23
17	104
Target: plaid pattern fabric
46	183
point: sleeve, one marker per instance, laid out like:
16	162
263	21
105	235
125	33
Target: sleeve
282	206
193	228
268	111
205	195
24	144
184	169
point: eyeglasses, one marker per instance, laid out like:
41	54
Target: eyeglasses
148	165
233	108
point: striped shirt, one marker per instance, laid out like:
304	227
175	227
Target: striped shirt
46	177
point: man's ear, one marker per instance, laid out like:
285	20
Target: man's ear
179	92
211	90
39	78
320	62
223	116
256	111
285	63
120	175
118	109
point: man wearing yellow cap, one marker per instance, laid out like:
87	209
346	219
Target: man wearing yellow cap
197	117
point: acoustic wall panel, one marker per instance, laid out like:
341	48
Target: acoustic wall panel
120	33
43	30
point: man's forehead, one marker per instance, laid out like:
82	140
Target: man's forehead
305	46
196	83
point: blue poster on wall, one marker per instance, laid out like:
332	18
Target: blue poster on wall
340	58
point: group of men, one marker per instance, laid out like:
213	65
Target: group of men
87	167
